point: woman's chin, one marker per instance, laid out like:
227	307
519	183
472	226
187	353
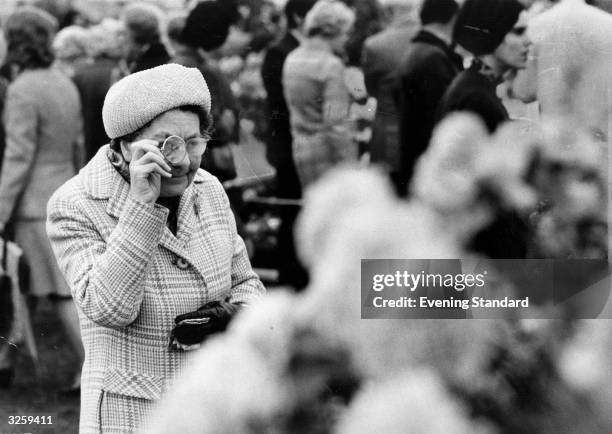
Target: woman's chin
173	186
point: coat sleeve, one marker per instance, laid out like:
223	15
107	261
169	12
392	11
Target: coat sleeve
336	98
271	74
106	278
246	285
20	121
371	71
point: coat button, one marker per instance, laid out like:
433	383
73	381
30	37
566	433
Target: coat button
182	264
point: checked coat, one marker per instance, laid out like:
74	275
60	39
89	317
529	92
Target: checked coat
130	277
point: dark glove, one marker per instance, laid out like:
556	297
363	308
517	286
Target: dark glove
193	328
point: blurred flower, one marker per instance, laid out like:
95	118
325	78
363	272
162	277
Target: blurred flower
585	362
341	192
445	176
415	402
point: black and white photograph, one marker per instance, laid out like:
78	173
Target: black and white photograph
305	216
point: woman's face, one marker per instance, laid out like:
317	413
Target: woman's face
514	50
186	125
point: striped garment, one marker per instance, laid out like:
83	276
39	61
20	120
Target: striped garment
130	277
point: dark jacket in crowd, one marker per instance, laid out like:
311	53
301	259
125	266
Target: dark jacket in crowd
224	111
93	81
155	55
429	67
475	91
279	153
221	95
3	87
381	59
279	141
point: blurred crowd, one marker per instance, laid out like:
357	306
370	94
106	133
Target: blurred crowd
375	84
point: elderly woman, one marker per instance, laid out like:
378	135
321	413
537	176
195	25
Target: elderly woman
316	94
42	120
148	245
494	32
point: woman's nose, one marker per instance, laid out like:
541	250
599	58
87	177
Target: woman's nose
180	167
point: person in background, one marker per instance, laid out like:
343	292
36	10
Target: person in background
205	29
70	49
148	244
3	86
381	58
42	120
494	31
279	151
94	79
316	94
144	48
369	20
428	67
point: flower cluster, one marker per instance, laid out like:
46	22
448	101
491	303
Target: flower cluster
308	363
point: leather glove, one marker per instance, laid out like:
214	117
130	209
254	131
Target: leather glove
193	328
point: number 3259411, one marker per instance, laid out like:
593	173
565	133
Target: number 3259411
30	420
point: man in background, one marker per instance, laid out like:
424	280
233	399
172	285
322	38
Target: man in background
279	142
428	68
145	49
381	59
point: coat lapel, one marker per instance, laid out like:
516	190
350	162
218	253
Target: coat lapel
197	234
102	181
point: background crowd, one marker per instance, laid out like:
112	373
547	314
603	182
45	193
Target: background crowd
311	86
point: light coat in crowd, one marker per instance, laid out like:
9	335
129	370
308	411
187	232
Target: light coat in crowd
42	118
130	277
319	101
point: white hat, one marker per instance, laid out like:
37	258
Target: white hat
137	99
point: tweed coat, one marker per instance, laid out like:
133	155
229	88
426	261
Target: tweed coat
130	277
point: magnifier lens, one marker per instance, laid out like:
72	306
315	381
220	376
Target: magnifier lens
174	149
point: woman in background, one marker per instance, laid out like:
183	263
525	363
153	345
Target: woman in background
42	120
317	97
494	32
70	49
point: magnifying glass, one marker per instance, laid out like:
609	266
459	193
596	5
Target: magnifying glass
174	149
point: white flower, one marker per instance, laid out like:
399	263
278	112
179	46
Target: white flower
445	176
341	191
414	402
585	363
347	228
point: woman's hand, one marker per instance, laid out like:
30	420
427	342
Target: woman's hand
147	167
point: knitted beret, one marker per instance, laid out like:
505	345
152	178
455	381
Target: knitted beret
139	98
482	25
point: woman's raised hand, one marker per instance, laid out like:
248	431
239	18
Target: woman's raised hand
147	167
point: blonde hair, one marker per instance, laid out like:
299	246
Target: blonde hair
70	43
328	18
105	39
